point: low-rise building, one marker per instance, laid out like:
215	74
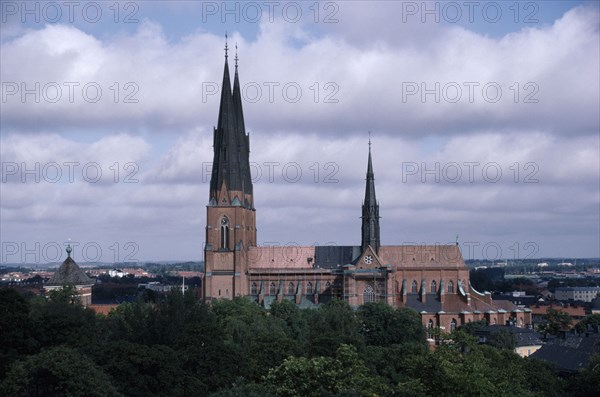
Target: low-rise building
527	340
585	294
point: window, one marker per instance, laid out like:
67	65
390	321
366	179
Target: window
291	289
450	287
224	233
415	287
433	288
369	293
430	329
253	289
452	325
309	289
273	290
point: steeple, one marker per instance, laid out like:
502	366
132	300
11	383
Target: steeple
244	139
231	164
370	211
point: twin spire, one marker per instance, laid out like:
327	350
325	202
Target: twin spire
231	163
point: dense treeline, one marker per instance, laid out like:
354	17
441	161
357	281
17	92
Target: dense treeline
181	347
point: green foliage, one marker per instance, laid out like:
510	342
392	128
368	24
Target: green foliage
344	375
382	325
66	294
503	339
592	320
178	346
332	325
587	382
15	328
554	321
59	371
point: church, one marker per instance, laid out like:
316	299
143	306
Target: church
433	280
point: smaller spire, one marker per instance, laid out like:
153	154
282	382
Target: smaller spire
226	47
236	56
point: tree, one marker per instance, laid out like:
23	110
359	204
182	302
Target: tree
59	371
67	294
592	320
555	320
57	322
382	325
344	375
503	339
330	326
15	328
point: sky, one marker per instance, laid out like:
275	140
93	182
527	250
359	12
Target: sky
483	118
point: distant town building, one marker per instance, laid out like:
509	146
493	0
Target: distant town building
431	279
585	294
69	273
569	352
527	340
117	273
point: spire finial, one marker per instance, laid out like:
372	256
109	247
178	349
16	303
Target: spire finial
226	47
236	56
69	249
457	239
369	141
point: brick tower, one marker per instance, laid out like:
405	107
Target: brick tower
230	213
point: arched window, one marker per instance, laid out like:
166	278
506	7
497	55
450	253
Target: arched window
309	288
430	329
450	287
433	289
369	293
253	289
272	289
291	289
453	325
415	287
224	233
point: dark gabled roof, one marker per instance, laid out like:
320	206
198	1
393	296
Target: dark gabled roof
571	353
432	303
69	273
329	257
525	336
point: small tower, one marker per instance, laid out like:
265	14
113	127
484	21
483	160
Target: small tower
69	273
370	211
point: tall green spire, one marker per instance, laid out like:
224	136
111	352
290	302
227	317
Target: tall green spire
370	210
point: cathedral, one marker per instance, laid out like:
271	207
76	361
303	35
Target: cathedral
433	280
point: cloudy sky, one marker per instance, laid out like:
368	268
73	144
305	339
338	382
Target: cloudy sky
484	120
